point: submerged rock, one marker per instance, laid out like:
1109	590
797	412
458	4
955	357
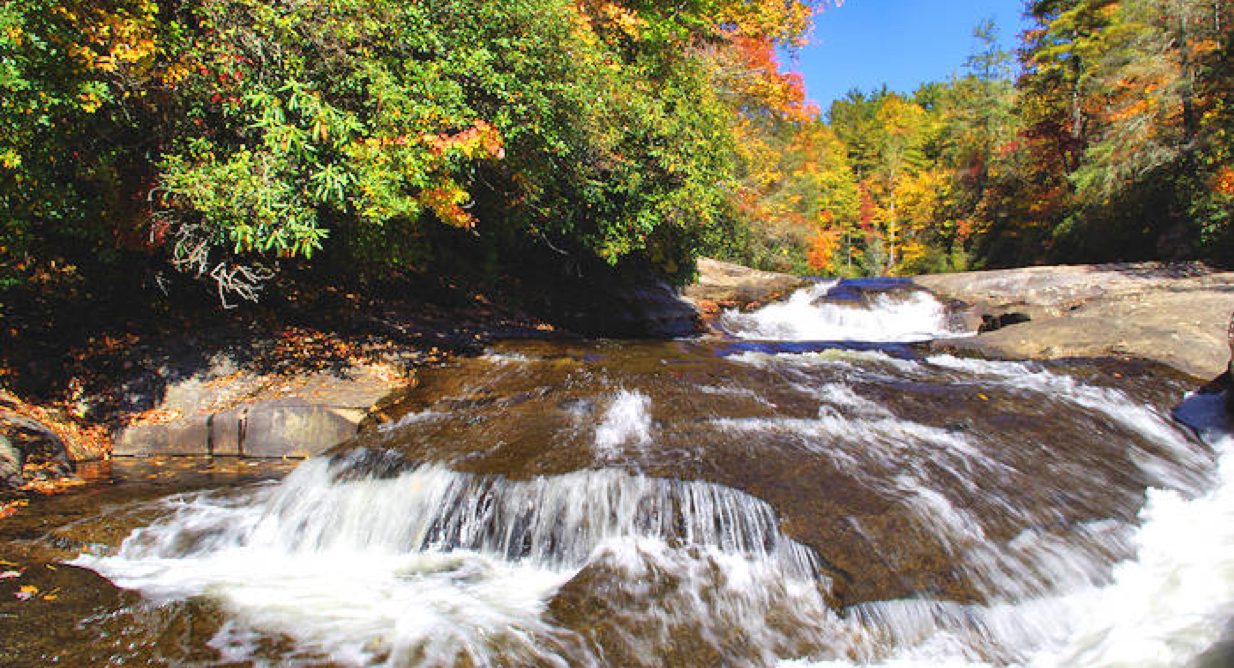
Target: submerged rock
891	469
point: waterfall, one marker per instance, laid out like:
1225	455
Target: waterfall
807	315
1062	520
432	565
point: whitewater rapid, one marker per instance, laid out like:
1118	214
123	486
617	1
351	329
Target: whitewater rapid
808	315
371	559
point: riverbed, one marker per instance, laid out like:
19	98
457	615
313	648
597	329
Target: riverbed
813	488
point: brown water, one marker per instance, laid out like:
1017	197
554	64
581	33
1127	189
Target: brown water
690	503
78	618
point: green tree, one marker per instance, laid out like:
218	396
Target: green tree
233	135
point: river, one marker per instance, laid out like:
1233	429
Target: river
812	489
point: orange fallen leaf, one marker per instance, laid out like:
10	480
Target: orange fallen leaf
10	508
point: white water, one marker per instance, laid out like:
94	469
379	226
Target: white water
626	421
805	316
431	565
1174	600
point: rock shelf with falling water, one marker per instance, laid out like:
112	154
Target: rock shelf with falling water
722	503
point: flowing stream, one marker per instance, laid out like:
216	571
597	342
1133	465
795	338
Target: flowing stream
808	491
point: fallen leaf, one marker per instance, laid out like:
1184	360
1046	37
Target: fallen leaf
8	509
9	575
26	592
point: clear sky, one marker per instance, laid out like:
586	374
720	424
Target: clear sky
866	43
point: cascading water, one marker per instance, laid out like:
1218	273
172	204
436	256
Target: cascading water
818	314
429	565
707	504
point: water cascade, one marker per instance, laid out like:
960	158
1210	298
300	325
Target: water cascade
709	503
834	311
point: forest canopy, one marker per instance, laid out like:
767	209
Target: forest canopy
1108	135
229	138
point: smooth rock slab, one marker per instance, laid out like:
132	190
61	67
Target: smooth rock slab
228	413
280	428
734	285
181	437
289	429
1173	313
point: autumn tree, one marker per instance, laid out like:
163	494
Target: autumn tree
1122	91
233	136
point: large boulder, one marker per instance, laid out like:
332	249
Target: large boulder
724	285
30	450
12	459
1174	313
226	412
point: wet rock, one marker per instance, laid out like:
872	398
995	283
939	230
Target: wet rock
759	428
11	461
864	292
1174	313
30	448
117	623
724	285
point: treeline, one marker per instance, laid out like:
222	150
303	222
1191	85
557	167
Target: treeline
1115	141
232	138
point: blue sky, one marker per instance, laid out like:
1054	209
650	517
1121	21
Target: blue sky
902	43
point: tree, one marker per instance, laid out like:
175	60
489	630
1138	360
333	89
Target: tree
235	135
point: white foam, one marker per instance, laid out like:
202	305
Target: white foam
1163	608
908	317
430	566
410	419
627	421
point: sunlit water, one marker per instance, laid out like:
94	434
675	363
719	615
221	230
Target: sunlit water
823	313
604	515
